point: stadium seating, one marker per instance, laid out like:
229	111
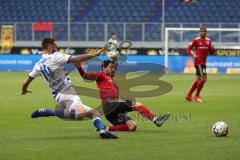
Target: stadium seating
204	11
134	11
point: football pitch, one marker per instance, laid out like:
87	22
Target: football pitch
186	135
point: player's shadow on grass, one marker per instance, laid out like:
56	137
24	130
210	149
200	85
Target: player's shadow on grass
67	138
158	131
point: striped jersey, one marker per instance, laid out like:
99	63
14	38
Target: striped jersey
51	67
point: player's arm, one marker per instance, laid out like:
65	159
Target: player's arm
84	57
25	85
33	74
212	49
86	75
190	51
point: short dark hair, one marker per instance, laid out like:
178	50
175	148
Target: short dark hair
105	63
46	42
203	28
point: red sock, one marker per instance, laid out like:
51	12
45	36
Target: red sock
120	127
193	88
199	87
145	112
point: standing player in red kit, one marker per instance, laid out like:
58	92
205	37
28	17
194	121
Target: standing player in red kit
202	46
115	107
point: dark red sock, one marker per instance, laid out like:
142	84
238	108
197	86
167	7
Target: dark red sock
193	88
145	112
199	87
120	127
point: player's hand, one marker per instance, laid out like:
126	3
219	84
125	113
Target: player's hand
25	91
100	51
195	56
193	53
212	49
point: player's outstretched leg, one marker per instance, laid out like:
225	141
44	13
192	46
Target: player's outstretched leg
107	135
43	113
78	112
145	112
104	134
97	122
161	119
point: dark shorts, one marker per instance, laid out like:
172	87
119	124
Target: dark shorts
116	111
201	70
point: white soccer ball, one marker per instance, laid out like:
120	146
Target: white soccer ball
220	129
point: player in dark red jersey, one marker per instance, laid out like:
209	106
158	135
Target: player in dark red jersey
199	49
115	107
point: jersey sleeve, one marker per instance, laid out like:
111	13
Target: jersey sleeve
99	76
87	75
61	58
35	72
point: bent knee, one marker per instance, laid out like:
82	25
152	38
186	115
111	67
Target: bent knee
136	105
91	113
132	125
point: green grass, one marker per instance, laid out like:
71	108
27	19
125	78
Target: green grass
23	138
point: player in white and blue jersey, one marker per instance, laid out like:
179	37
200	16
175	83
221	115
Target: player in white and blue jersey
51	67
113	51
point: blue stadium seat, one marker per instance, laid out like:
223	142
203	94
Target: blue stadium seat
204	11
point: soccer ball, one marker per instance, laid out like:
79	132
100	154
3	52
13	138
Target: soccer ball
220	129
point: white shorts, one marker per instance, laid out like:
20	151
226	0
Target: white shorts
70	101
112	54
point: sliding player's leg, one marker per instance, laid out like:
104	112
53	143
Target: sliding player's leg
70	107
145	112
130	126
43	112
116	113
79	112
63	100
97	122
